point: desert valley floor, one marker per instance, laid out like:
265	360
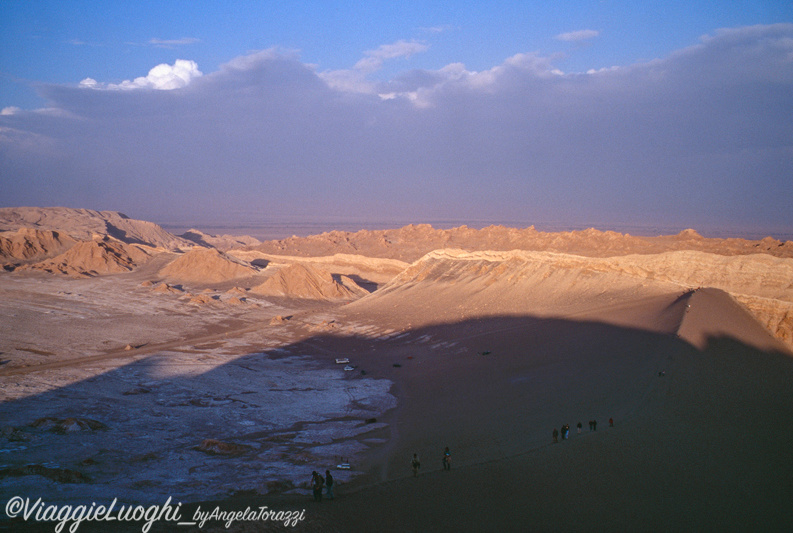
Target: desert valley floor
140	365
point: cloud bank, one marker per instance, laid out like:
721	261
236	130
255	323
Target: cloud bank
700	138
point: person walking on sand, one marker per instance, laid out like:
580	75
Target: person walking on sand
329	484
447	459
416	464
555	435
317	482
594	425
611	422
579	426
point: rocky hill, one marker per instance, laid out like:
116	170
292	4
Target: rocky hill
94	258
84	224
412	242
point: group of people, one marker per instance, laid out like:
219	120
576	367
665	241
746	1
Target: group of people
565	431
318	482
446	462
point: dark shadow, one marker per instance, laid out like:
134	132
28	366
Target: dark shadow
731	402
122	235
367	285
261	263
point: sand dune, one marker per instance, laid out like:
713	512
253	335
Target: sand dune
466	284
206	265
307	281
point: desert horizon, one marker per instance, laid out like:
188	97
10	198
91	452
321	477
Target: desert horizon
220	371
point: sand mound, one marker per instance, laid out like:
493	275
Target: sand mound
309	282
94	258
204	299
28	244
207	265
166	288
83	224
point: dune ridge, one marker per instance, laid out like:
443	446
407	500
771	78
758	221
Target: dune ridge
546	283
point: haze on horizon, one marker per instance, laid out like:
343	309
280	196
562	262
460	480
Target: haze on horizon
614	116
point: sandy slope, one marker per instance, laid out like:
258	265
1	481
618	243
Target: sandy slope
699	442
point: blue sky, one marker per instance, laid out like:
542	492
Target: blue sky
612	114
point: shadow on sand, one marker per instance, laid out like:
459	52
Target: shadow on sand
702	439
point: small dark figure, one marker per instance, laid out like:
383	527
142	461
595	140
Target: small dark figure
317	483
555	435
565	431
594	425
579	426
611	422
447	459
591	423
416	464
329	484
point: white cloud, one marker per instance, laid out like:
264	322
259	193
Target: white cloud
10	110
162	77
374	58
580	35
170	43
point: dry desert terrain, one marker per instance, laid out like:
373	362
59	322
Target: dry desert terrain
141	365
